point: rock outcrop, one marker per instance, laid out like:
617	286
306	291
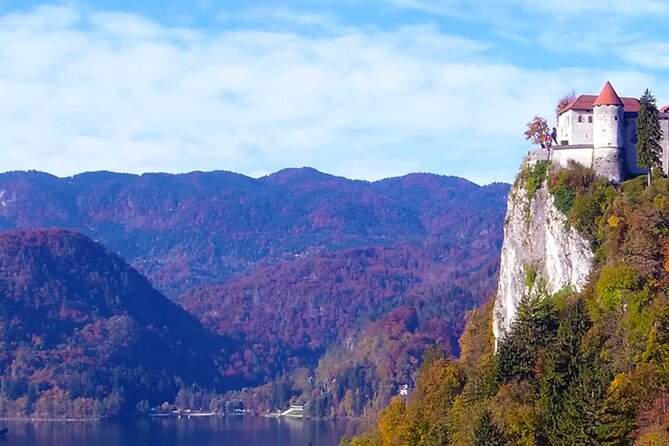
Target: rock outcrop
541	254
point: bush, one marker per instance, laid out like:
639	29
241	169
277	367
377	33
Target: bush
564	198
530	276
614	282
535	176
583	199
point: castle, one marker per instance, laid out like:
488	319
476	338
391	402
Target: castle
600	132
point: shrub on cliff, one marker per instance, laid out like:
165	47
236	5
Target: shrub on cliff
533	176
583	198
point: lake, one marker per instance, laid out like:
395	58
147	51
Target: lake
245	431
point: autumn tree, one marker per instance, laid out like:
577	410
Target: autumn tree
537	131
648	134
392	425
564	101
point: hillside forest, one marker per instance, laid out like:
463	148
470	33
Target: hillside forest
122	294
586	368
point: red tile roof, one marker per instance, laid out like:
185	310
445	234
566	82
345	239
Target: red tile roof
586	102
631	104
608	96
583	102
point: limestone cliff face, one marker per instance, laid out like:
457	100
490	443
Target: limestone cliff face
540	253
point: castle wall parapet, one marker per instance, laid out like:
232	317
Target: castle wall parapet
562	156
572	147
534	156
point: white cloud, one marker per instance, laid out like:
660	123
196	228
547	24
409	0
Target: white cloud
601	8
89	91
647	54
595	27
286	16
483	8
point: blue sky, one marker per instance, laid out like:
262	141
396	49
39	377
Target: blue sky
354	88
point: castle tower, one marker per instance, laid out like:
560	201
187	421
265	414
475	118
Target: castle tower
607	138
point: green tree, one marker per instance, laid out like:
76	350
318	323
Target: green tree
428	412
487	433
533	329
617	418
571	385
648	133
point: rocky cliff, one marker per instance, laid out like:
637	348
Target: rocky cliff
541	254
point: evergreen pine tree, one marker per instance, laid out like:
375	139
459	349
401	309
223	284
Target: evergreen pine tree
487	433
648	134
533	329
571	387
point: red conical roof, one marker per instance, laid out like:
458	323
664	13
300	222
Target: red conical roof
608	96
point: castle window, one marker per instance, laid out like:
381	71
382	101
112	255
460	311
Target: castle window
580	118
589	119
615	118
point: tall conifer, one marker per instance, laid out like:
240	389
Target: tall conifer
648	134
487	433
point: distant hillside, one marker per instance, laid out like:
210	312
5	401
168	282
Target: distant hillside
330	302
292	265
317	299
85	335
200	228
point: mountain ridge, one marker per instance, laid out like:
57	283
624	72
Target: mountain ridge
226	222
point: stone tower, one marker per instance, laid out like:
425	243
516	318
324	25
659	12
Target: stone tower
607	138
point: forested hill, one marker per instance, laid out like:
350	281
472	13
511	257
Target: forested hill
84	335
200	228
292	268
575	368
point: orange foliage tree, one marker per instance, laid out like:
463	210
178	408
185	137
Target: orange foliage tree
564	101
537	131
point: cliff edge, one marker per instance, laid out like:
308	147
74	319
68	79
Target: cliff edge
541	253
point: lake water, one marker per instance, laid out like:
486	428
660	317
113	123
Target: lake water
244	431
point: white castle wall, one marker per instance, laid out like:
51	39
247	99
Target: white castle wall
534	156
605	161
607	127
608	141
575	127
608	162
581	155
